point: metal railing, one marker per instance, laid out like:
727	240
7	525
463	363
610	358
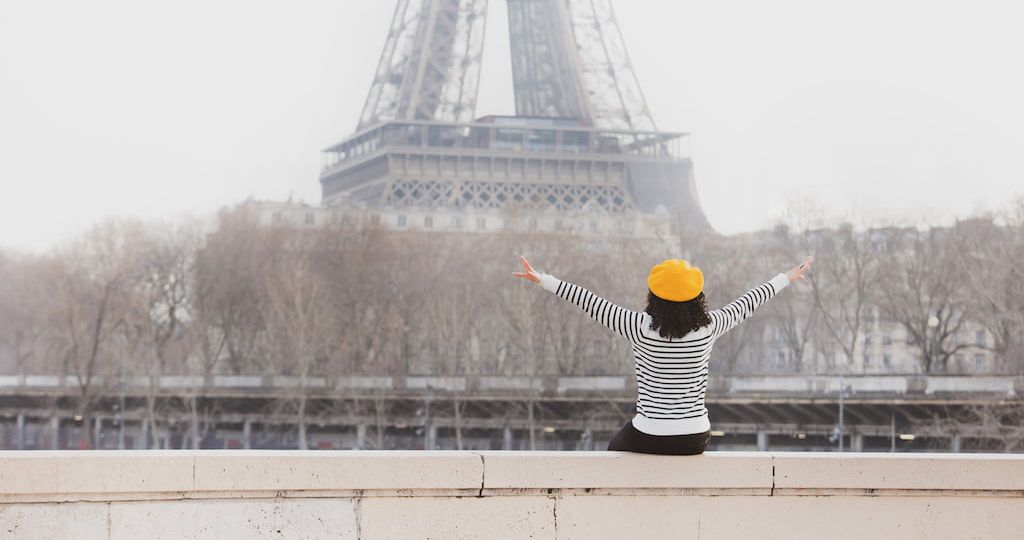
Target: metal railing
1005	386
513	138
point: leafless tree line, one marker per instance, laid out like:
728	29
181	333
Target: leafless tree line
135	299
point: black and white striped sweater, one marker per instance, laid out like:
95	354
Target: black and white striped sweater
671	374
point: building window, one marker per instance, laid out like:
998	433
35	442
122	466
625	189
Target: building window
345	219
457	222
428	221
509	139
540	139
867	340
533	224
575	141
886	340
960	359
979	338
867	358
887	360
979	361
310	219
593	226
375	218
276	218
481	222
401	220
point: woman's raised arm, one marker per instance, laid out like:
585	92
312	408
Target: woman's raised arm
727	317
622	321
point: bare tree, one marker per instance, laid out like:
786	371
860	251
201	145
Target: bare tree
844	283
990	258
992	426
921	292
452	308
731	266
87	307
794	313
297	315
362	266
23	281
228	270
160	311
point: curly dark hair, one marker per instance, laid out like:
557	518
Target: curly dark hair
676	319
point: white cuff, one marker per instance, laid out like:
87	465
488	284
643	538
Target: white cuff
780	281
549	282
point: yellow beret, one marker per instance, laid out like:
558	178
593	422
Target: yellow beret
675	280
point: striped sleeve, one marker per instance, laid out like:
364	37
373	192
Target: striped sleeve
727	317
622	321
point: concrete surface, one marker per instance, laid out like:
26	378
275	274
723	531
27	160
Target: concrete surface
508	495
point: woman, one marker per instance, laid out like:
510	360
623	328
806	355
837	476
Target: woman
672	341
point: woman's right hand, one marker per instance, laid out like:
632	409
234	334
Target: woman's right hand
798	271
530	274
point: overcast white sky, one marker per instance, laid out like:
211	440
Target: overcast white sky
908	110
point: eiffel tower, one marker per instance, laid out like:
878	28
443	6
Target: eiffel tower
582	139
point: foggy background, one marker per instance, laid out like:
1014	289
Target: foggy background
905	112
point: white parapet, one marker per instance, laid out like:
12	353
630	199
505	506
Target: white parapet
508	495
997	385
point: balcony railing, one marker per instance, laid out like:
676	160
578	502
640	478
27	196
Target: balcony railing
508	138
881	386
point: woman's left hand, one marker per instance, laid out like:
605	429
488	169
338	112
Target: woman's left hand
799	272
530	274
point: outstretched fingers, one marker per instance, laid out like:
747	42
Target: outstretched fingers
529	274
804	267
526	263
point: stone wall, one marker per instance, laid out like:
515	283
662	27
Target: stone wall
508	495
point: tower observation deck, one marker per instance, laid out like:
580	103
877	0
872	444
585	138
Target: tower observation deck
582	138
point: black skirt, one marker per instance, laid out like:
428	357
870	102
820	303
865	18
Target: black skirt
630	439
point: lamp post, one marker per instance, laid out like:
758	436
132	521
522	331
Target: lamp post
933	325
841	430
837	430
427	442
120	407
892	432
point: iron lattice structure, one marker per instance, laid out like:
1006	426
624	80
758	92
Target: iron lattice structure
569	60
433	193
430	66
583	137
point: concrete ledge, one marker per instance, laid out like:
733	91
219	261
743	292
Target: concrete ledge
102	475
717	471
873	472
503	494
67	476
